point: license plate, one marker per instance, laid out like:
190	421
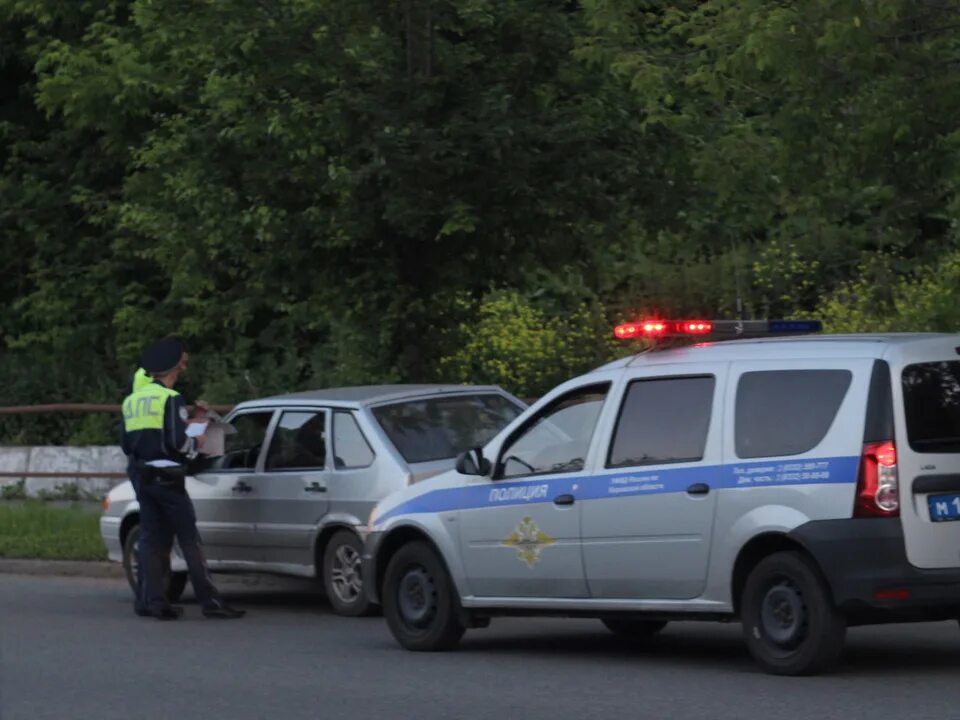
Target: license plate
944	507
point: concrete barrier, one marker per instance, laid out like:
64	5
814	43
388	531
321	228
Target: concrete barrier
63	461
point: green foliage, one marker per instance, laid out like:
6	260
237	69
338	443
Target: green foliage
927	301
32	529
14	491
319	192
511	342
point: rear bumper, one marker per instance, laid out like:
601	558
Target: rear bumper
866	564
368	568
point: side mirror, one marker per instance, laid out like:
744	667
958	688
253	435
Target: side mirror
472	462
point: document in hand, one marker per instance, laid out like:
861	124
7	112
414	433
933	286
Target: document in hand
214	432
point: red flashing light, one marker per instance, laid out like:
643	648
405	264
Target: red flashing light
656	328
878	492
697	327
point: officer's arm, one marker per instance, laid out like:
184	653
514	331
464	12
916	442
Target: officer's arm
175	428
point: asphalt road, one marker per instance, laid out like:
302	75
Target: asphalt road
72	649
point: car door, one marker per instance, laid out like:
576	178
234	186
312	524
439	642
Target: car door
648	517
292	490
524	541
926	395
355	483
224	493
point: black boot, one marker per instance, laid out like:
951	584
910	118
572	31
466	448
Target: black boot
223	612
171	612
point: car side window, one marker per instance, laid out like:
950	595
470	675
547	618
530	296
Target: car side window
557	439
786	412
350	447
663	420
299	442
242	447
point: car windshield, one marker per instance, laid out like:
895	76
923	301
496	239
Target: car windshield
442	428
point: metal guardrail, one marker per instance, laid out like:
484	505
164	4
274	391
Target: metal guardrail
69	408
78	407
77	474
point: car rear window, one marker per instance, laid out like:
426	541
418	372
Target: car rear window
442	428
786	412
931	403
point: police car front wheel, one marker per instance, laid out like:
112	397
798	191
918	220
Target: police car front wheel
789	620
419	600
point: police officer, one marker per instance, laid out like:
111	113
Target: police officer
156	441
140	380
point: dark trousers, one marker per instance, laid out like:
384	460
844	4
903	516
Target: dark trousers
166	511
141	601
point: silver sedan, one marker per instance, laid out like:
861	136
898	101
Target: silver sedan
293	490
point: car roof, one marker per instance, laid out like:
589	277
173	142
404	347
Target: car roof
775	348
364	395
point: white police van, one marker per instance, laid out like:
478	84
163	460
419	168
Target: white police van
799	484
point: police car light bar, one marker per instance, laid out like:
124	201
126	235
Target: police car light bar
717	329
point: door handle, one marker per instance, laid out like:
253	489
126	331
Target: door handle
242	487
315	487
698	489
565	499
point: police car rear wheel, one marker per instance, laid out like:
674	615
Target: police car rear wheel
632	629
419	600
176	582
789	621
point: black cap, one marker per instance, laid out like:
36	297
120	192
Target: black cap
162	356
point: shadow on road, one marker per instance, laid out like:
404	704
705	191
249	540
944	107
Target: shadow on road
895	654
923	650
254	591
725	651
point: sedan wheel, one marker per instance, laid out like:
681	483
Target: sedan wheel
176	582
341	575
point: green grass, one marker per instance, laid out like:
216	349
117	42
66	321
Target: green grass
34	529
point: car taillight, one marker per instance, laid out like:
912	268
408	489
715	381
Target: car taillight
878	492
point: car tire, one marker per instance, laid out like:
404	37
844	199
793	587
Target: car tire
420	602
341	575
633	629
176	582
790	623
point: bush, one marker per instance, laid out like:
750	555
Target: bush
511	342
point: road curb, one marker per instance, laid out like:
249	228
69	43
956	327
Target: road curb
110	570
61	568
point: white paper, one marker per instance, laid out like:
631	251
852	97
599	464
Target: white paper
196	429
163	463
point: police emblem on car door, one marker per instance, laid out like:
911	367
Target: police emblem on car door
523	540
529	540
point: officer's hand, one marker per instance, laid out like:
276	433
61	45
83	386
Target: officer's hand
200	409
200	439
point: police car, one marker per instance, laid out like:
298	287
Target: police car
799	484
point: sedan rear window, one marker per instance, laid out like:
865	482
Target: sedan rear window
931	403
441	428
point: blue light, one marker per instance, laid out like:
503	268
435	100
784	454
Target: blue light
798	326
